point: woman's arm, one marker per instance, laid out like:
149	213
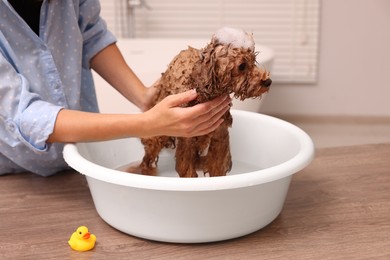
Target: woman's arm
166	118
111	66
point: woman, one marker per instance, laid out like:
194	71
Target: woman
47	95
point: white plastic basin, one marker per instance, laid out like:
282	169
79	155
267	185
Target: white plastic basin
266	153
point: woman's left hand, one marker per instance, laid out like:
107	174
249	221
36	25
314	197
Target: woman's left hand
149	97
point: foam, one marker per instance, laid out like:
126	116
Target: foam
235	37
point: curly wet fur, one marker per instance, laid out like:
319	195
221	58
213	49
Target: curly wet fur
215	70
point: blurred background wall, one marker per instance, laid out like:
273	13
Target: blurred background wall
354	64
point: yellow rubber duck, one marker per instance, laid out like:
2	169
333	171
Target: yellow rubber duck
82	240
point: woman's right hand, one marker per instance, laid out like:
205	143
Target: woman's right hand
169	117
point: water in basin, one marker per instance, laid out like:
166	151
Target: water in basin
166	167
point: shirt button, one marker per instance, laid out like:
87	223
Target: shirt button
10	127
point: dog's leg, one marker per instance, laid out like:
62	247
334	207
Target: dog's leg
152	147
186	158
218	160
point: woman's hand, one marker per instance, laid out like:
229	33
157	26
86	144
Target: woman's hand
169	117
148	97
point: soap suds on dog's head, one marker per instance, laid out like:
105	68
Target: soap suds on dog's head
235	37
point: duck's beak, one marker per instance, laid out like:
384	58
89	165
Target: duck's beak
87	235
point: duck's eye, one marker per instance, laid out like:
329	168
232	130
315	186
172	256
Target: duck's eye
242	66
80	232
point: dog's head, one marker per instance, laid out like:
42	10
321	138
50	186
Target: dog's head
228	65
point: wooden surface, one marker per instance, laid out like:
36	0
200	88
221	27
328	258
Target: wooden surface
337	208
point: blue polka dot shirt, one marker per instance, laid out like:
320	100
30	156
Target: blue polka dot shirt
40	75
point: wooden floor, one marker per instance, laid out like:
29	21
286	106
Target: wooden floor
343	131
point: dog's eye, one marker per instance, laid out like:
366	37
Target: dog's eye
242	66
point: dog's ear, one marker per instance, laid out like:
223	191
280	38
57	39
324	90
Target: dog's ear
223	67
209	72
203	73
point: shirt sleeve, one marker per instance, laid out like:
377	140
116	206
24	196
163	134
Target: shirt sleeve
24	116
94	30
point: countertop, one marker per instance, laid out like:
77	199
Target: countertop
336	208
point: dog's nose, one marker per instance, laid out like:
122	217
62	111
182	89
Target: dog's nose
266	83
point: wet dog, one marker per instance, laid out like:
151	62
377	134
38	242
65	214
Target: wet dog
227	65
